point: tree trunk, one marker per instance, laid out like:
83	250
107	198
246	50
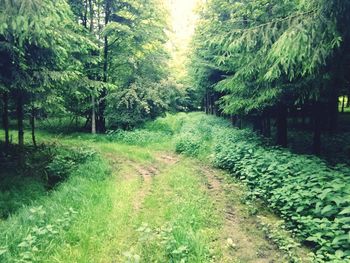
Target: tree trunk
5	118
317	119
257	124
84	20
207	103
233	119
91	8
239	121
334	108
102	103
281	125
93	115
93	110
268	127
32	125
20	117
343	104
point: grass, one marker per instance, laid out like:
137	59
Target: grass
17	191
135	201
36	231
94	220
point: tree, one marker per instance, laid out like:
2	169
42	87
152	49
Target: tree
269	52
39	44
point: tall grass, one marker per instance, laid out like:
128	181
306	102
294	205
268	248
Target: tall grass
44	225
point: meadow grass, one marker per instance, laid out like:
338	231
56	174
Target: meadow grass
134	201
91	217
37	230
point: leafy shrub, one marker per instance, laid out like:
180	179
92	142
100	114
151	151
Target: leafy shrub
311	196
171	123
64	160
65	125
16	191
138	137
188	144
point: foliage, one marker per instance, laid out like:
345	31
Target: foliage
137	137
64	161
188	144
282	238
258	53
311	196
108	62
43	169
34	232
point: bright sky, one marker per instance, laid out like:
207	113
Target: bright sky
183	17
183	21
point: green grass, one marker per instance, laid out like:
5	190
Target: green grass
91	218
136	202
17	191
34	232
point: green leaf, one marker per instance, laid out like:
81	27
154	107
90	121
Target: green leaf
345	211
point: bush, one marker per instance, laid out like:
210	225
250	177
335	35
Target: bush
170	124
138	137
64	160
188	144
194	135
311	196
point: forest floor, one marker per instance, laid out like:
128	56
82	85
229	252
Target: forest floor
154	206
171	208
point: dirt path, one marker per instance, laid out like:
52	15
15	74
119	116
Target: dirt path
159	192
241	239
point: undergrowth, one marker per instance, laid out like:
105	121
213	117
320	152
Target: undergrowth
35	231
312	197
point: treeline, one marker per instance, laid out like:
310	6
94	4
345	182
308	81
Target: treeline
273	61
103	60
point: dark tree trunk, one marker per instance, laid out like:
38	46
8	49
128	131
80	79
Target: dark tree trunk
317	119
233	119
258	124
239	122
93	107
20	117
337	69
32	125
206	103
84	20
266	129
281	125
5	118
101	122
343	104
303	117
87	121
334	108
